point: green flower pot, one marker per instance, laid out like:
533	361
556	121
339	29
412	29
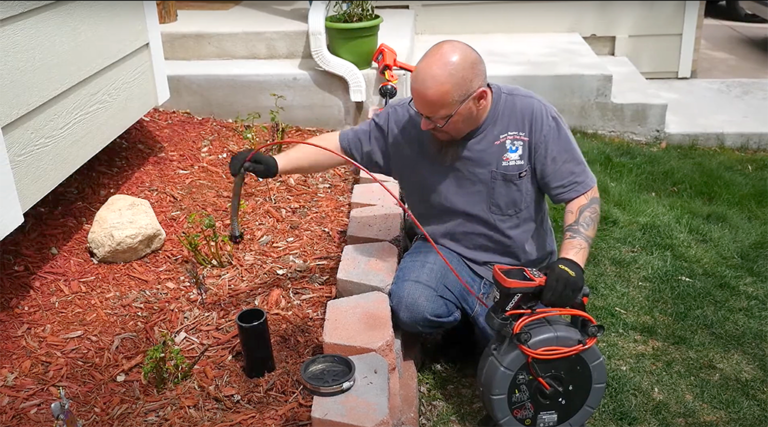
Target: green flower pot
356	42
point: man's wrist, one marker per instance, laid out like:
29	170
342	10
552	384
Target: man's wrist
578	256
278	167
571	264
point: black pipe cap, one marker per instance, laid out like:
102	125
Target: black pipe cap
328	374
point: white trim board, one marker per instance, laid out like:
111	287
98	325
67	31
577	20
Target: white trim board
688	42
11	215
156	50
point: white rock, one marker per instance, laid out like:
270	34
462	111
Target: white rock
124	229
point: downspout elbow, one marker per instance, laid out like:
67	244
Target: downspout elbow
326	60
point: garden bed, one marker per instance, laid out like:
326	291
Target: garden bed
69	322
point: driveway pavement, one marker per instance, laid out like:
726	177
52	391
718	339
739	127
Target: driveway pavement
733	50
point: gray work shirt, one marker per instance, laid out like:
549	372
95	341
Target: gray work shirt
489	205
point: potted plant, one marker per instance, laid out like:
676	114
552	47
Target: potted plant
353	32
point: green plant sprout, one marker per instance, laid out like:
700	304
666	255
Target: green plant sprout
349	12
208	247
164	364
276	128
245	125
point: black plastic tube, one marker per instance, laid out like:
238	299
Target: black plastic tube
235	235
255	342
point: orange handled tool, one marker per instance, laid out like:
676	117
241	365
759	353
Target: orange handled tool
386	59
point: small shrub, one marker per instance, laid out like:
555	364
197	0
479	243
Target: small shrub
207	246
164	364
245	126
348	12
277	128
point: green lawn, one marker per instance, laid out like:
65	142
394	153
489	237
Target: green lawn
679	278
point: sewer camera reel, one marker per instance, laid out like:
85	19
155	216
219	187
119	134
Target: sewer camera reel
539	370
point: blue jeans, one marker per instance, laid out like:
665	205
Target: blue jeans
426	297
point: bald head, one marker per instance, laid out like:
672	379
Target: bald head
450	70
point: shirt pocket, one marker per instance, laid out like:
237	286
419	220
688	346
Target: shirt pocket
510	192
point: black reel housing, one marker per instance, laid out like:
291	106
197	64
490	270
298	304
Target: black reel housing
509	384
513	397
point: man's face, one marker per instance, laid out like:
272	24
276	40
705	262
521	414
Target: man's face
447	120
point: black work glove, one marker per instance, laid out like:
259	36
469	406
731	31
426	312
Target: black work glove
261	165
565	281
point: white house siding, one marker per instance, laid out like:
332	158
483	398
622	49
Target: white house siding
649	33
10	214
75	75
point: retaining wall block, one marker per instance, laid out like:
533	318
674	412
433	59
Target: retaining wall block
374	224
365	268
406	353
364	405
374	195
361	324
365	179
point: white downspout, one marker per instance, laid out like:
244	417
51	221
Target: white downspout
326	60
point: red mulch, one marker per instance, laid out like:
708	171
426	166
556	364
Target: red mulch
69	322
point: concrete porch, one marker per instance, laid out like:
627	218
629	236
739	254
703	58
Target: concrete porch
226	63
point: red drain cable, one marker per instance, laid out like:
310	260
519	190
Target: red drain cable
528	315
239	181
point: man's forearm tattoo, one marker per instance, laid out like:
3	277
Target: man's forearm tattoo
584	226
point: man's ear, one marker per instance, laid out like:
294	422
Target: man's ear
482	98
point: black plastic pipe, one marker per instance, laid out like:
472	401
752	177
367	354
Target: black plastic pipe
235	235
255	342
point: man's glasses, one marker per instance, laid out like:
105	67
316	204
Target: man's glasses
450	116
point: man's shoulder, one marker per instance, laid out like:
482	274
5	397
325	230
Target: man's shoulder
396	118
395	114
400	108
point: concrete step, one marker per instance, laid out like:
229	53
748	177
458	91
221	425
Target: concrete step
250	30
634	110
228	88
592	93
227	63
715	112
264	30
561	67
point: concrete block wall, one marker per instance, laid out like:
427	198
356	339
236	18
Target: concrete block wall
358	324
